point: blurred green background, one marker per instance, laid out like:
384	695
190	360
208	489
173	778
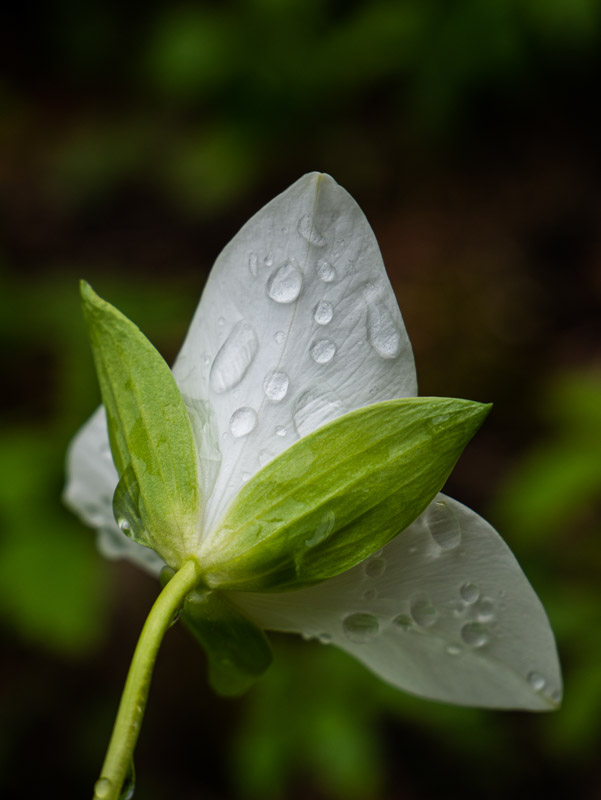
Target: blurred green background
133	144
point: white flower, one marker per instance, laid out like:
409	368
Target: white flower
297	326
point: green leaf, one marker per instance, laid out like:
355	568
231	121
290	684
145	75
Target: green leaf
238	652
339	494
158	500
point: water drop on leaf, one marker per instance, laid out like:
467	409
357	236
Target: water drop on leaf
360	628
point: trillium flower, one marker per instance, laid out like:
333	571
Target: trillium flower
310	498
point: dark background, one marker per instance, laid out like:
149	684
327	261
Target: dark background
134	141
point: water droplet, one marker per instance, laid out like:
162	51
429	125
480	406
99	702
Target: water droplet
276	385
403	621
382	331
370	594
308	231
207	360
324	311
453	649
234	358
485	610
243	421
469	592
125	526
268	260
246	476
537	681
360	628
313	409
322	351
265	457
102	788
474	634
280	430
324	638
253	264
325	271
323	530
374	567
285	283
221	322
423	612
443	524
279	337
338	248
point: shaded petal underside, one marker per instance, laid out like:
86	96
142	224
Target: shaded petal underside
443	611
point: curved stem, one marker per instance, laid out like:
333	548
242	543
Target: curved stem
133	700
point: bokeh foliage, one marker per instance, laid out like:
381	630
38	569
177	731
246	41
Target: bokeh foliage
132	146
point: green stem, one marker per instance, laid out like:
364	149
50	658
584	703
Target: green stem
133	700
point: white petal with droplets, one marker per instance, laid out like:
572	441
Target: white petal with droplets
91	482
302	261
422	630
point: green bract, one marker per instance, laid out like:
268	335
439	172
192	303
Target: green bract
288	472
158	499
339	494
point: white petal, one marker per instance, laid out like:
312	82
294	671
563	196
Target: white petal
91	482
297	325
444	611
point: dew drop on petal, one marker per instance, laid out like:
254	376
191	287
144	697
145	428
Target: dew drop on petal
453	649
469	592
253	264
382	331
360	628
443	524
243	421
537	681
474	634
285	283
280	430
485	610
423	612
234	358
314	408
125	526
322	351
403	621
324	638
324	311
276	385
268	260
325	271
308	231
279	337
374	567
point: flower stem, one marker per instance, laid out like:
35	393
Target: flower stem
133	700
